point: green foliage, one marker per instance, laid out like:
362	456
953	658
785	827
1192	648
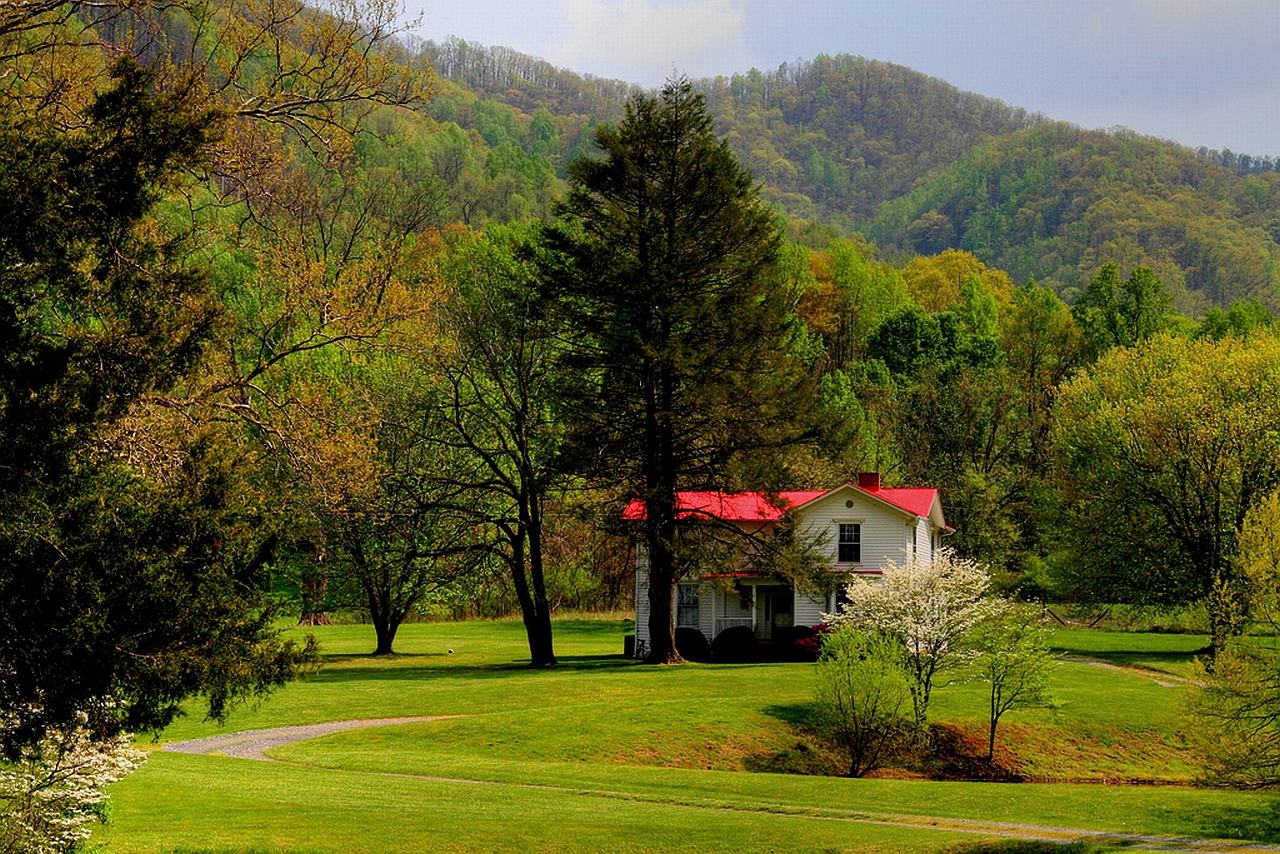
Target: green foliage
1240	320
499	410
1233	705
96	308
1162	449
1054	202
1115	313
1233	712
131	559
1015	660
862	697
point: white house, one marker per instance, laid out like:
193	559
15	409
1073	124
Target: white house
863	525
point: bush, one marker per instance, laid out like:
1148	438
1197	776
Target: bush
803	643
736	643
692	644
863	697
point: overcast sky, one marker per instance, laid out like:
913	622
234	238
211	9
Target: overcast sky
1201	72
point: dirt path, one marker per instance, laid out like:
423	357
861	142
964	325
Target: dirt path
252	744
1161	678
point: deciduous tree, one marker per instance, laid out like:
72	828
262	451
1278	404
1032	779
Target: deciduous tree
498	412
932	606
1014	659
1161	451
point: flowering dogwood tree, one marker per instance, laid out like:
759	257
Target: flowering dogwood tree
932	606
50	794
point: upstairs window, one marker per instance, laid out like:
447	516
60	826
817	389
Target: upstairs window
849	543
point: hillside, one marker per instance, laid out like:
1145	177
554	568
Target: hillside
914	163
1054	202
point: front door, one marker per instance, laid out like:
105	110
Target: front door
779	611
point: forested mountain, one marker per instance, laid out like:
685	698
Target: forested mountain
1055	202
912	162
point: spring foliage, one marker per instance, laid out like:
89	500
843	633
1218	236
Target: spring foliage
862	696
932	606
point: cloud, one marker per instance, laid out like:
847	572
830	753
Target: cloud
646	39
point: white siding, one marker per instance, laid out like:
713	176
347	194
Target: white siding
706	610
887	533
642	595
923	549
809	611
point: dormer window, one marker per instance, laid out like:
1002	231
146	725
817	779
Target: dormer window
849	542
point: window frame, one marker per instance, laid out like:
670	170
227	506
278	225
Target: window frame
688	601
855	544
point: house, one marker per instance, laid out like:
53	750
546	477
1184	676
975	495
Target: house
862	525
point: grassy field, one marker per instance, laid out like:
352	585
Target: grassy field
603	754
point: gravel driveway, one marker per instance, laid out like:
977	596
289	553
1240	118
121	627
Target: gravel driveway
253	743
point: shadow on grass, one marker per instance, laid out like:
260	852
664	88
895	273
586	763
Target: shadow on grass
399	668
594	627
805	754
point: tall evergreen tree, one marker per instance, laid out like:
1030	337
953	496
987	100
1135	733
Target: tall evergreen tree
125	588
665	269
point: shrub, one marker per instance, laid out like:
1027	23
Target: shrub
863	697
692	644
51	793
736	643
806	642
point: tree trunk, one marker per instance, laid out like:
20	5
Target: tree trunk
384	621
662	590
314	585
662	630
386	636
534	610
540	647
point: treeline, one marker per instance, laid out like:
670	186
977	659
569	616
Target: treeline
1241	164
525	82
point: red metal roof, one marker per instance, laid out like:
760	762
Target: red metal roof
757	506
731	506
916	501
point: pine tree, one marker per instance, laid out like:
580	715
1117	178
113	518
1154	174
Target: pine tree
665	270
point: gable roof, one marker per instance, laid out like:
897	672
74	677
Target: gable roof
769	507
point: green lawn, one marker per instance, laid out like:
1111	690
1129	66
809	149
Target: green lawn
603	754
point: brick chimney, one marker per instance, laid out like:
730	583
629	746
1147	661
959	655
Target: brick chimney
869	480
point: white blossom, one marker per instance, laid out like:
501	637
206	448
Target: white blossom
931	606
54	790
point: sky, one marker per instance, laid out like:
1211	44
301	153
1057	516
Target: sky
1199	72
